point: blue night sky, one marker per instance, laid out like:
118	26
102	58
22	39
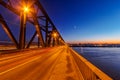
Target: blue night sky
85	20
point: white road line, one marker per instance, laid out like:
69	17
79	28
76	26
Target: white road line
19	65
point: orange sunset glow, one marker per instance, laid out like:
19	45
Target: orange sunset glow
98	42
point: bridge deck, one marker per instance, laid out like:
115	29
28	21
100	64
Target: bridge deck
58	63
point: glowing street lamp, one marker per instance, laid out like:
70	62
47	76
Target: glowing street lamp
54	35
26	9
59	39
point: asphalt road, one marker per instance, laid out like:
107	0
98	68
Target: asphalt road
43	64
29	65
57	63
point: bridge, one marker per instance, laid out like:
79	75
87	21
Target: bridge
52	60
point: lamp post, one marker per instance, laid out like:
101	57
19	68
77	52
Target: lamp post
23	16
55	36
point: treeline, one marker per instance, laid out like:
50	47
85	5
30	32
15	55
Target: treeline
94	45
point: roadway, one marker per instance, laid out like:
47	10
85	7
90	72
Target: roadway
40	64
57	63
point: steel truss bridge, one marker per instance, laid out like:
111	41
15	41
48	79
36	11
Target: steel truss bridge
31	11
51	63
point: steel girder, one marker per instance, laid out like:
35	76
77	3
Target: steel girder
35	21
8	31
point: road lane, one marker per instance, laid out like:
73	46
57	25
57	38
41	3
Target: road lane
66	68
13	61
5	56
31	67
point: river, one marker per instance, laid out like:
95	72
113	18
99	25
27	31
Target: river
106	59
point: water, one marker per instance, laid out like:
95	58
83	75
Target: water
106	59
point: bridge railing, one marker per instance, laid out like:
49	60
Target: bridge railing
88	70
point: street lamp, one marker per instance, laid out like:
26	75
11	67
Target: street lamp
23	17
54	34
26	9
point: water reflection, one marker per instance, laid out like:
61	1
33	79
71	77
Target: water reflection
107	59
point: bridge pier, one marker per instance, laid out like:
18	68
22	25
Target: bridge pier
22	30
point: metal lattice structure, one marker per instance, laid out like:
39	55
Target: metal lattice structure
31	11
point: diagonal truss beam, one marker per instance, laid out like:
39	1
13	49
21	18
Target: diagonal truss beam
28	45
38	29
8	31
4	4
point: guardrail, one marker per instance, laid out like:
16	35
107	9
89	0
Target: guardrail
88	70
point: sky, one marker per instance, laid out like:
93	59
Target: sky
84	20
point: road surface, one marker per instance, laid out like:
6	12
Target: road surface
57	63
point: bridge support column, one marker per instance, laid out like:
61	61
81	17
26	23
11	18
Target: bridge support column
38	43
22	30
49	40
46	35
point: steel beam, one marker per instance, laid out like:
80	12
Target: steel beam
22	31
47	17
53	42
35	22
49	40
38	43
8	31
46	35
39	32
31	39
4	4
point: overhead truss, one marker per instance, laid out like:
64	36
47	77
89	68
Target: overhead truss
31	11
